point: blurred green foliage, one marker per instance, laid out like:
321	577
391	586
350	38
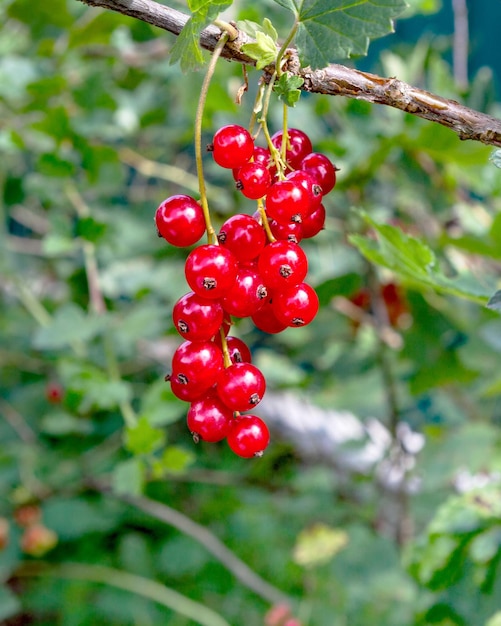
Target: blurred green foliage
91	115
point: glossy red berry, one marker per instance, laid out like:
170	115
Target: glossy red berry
296	305
210	270
237	349
197	318
287	201
298	146
309	183
248	436
241	386
180	221
209	419
243	235
232	146
247	294
314	222
282	263
184	389
197	363
292	231
322	169
253	180
266	320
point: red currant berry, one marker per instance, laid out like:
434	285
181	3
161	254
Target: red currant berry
314	222
248	436
210	270
298	146
293	231
265	319
253	180
296	305
241	386
198	363
185	390
282	263
180	221
237	349
54	392
322	170
196	318
307	181
232	146
247	295
209	419
287	201
243	235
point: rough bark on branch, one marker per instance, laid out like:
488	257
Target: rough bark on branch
333	80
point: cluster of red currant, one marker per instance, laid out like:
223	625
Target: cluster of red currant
255	269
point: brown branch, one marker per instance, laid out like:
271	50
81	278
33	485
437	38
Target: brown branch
335	80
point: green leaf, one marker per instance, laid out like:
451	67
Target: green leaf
339	29
90	229
496	158
414	261
174	460
69	325
187	48
495	620
143	438
287	88
128	477
318	544
264	50
495	302
9	604
92	387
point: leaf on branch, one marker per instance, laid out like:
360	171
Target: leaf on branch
496	158
338	29
288	89
413	261
264	50
187	48
495	302
143	438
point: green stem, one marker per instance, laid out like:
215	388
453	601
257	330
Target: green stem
285	45
211	233
264	219
131	583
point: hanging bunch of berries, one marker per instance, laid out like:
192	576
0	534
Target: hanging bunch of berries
254	267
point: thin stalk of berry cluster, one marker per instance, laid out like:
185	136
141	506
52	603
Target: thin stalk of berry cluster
211	233
224	347
264	220
285	136
285	45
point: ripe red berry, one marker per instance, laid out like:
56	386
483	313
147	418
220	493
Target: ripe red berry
309	183
209	419
198	363
253	180
238	350
287	201
248	436
266	320
293	231
232	146
296	305
210	270
196	318
243	235
322	170
241	386
247	294
314	222
54	392
298	146
185	390
282	263
180	221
